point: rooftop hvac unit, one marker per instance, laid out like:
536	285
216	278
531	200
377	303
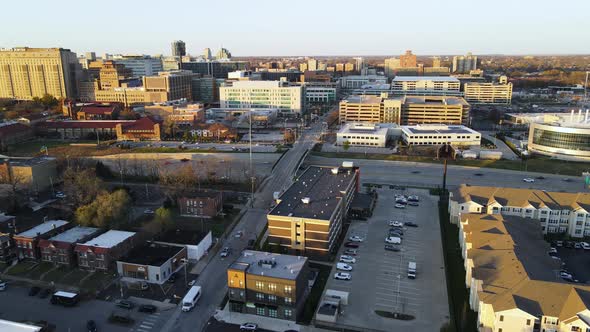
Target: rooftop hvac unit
305	200
335	170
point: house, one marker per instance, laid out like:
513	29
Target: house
152	262
196	243
59	249
214	131
103	251
202	204
144	129
27	242
13	133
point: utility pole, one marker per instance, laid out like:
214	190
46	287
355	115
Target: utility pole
251	171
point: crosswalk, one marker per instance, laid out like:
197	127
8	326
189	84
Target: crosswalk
147	324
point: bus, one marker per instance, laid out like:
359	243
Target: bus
66	299
191	298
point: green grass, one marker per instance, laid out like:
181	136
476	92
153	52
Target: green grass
20	269
315	295
39	270
34	147
534	164
74	277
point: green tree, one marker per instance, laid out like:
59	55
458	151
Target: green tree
346	145
82	185
163	217
108	210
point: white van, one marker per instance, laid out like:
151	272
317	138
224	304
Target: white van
393	240
190	299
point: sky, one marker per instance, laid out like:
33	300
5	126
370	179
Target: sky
302	27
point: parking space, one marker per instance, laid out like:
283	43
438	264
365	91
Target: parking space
379	279
576	262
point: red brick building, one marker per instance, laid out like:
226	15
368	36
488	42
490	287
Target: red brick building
27	242
144	129
99	112
60	248
203	204
103	251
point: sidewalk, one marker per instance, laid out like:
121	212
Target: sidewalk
263	322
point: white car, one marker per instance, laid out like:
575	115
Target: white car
59	194
355	238
238	234
528	180
393	240
249	327
395	223
342	276
343	267
564	274
2	285
399	206
347	259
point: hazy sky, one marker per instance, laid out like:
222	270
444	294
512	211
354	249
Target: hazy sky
302	27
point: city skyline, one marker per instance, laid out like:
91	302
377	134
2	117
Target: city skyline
308	29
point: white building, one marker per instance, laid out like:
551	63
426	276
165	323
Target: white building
488	93
436	134
357	81
363	134
557	212
262	94
320	94
465	63
244	75
425	85
140	65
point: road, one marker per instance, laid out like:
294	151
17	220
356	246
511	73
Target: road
507	152
424	174
213	278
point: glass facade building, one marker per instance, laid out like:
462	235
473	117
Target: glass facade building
560	141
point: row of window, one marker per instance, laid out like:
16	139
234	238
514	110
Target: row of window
261	311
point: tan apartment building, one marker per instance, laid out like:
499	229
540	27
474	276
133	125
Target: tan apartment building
308	216
26	73
488	93
266	284
176	84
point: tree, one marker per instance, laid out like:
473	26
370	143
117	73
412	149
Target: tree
108	210
103	171
170	127
14	182
163	217
82	185
128	115
346	145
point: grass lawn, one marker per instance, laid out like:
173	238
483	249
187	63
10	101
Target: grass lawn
34	147
315	295
20	269
533	164
97	281
74	277
39	270
57	274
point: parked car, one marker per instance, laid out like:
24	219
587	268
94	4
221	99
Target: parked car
351	245
528	180
225	252
569	244
45	293
347	259
238	234
249	327
412	203
559	243
393	240
342	276
148	308
411	224
397	230
553	250
395	234
34	291
577	245
343	267
126	304
414	198
59	194
585	245
91	326
2	285
390	247
350	252
399	206
148	211
355	238
395	223
251	244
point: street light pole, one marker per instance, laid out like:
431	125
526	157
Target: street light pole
251	171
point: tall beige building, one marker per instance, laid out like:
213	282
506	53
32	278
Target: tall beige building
488	93
26	73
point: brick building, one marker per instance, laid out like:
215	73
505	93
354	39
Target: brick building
99	112
103	251
27	242
152	262
144	129
60	248
203	204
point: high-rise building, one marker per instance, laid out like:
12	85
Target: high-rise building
207	54
408	60
312	65
390	67
425	85
223	54
26	73
303	67
262	94
112	74
488	93
436	61
360	64
465	63
178	48
140	65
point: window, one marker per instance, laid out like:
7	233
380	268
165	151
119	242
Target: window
260	296
288	289
528	322
259	285
272	287
500	329
272	313
501	318
288	313
288	301
272	298
260	311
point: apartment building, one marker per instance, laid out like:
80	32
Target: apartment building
425	85
512	282
309	215
201	204
488	93
266	284
435	134
101	253
465	63
557	212
27	241
262	94
26	73
152	262
59	249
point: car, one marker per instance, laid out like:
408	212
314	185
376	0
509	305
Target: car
528	180
91	326
238	234
553	250
350	252
148	211
355	238
399	206
2	285
577	245
414	198
34	291
59	194
569	244
45	293
559	243
567	179
192	282
478	174
343	267
393	233
390	247
540	177
249	327
564	274
397	230
585	245
402	201
395	223
251	244
342	276
412	203
147	308
351	244
126	304
393	240
347	259
225	252
570	279
411	224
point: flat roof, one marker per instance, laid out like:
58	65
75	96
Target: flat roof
31	161
152	254
10	326
425	78
5	218
42	228
446	100
109	239
268	264
75	234
364	99
438	129
182	237
321	186
577	119
354	128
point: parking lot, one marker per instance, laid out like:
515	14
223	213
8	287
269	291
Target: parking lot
576	262
379	277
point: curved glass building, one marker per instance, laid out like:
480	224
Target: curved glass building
567	137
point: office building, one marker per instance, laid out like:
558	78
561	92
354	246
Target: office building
271	285
36	174
170	63
309	215
513	284
408	60
103	251
464	64
152	262
555	212
488	93
425	85
178	48
113	75
175	84
436	134
360	64
217	69
262	94
59	249
201	204
312	65
205	89
320	94
278	75
27	241
140	65
26	73
391	66
363	134
357	81
223	54
207	54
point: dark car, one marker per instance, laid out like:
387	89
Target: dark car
540	177
351	244
390	247
350	252
478	174
45	293
251	244
410	224
34	291
91	326
147	308
394	234
125	304
395	229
